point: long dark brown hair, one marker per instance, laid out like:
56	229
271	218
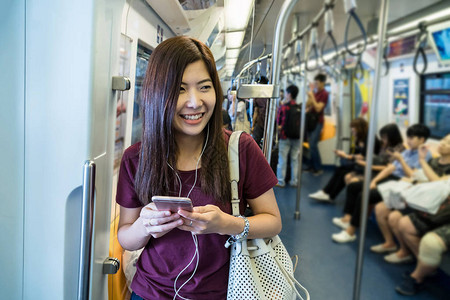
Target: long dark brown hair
362	129
161	88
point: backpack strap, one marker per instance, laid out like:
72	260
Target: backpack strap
233	159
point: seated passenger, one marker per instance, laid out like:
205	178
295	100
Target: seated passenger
352	172
403	165
391	141
388	220
435	233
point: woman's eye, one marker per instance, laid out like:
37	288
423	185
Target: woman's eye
182	89
205	88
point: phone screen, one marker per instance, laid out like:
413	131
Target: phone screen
172	204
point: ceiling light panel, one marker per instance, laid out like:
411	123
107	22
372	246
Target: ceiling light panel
234	39
232	53
237	14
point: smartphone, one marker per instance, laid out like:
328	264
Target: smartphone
172	204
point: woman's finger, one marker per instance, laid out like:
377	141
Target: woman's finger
160	230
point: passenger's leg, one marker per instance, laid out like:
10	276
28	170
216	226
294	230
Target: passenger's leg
283	151
295	149
393	221
374	197
353	196
336	183
313	140
431	248
382	213
409	235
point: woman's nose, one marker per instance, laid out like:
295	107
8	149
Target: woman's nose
194	99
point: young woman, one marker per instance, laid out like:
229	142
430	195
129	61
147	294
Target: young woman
336	184
184	153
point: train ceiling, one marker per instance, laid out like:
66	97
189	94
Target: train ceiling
206	20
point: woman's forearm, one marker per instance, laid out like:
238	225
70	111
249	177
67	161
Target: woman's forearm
429	172
133	236
261	226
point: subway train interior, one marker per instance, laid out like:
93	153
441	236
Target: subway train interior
73	76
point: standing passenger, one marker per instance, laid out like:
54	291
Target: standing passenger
287	143
183	153
317	101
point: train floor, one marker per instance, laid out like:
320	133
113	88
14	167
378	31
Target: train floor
326	268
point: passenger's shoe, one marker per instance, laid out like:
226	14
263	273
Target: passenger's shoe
407	274
280	185
317	172
341	224
394	259
343	237
409	287
320	195
381	249
293	184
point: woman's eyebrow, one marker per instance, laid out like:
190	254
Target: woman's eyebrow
200	82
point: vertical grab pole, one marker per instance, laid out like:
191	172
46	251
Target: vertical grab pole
277	47
371	143
302	134
87	214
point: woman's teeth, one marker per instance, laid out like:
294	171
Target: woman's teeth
192	117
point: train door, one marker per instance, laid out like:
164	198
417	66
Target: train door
62	112
109	63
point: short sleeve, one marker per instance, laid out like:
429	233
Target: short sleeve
126	194
255	170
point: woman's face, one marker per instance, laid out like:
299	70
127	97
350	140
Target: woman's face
353	130
196	102
384	140
444	146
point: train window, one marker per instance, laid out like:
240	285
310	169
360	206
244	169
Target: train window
143	55
435	103
440	41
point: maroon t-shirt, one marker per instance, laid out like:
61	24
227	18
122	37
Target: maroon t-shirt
321	97
164	258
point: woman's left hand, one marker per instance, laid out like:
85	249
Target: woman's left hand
360	162
395	154
359	157
204	219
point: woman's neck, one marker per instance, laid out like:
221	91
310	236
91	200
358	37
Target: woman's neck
445	159
189	150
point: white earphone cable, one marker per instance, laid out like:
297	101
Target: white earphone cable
194	237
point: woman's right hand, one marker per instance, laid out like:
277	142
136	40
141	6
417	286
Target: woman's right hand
423	151
157	223
340	153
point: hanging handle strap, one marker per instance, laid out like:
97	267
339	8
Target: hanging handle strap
350	7
420	50
233	159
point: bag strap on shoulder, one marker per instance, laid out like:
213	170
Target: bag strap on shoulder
233	159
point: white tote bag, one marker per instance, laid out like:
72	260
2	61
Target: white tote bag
428	196
390	192
259	268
